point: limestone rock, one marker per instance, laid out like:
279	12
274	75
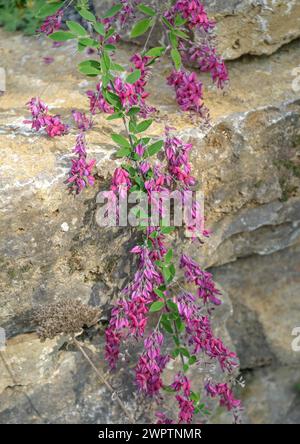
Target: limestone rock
244	26
246	163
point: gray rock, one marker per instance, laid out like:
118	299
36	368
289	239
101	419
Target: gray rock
243	26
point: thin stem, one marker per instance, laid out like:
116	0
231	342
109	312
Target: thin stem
103	380
149	35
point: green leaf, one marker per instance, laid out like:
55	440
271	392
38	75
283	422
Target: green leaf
115	116
184	351
76	28
99	27
113	11
89	70
123	152
180	325
61	36
167	23
176	57
168	256
154	148
106	60
134	76
173	40
179	20
133	111
195	397
167	326
120	140
47	10
116	67
172	306
181	34
156	306
146	10
87	15
141	27
89	42
110	48
159	293
143	126
155	52
192	360
167	230
185	367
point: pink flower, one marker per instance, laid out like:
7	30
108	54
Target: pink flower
225	394
121	182
80	175
52	23
186	410
151	365
188	90
47	60
163	419
54	126
140	149
181	382
82	121
41	119
207	290
208	61
193	11
97	101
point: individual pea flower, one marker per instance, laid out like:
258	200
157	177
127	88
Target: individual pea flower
52	23
48	60
82	121
140	149
121	182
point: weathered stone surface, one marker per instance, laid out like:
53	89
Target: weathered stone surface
51	382
265	295
245	26
271	395
267	287
51	247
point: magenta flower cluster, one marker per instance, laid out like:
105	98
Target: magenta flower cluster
41	119
194	13
151	365
129	316
52	23
188	88
81	175
184	315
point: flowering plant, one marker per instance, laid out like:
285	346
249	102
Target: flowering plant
182	316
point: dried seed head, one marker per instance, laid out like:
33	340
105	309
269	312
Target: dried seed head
65	317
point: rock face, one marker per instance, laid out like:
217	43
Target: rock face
247	164
265	295
246	26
